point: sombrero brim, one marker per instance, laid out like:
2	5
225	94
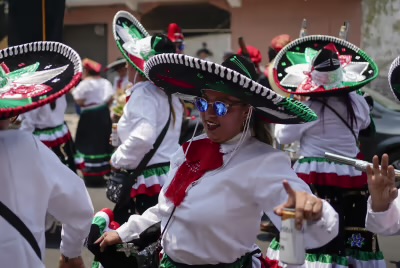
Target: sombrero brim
187	76
292	61
124	24
272	83
394	78
36	74
114	65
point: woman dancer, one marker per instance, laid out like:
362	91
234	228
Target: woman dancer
328	70
93	95
146	114
221	182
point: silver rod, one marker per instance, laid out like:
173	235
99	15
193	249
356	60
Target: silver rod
357	164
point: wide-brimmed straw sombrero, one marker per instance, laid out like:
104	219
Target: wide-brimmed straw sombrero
35	74
394	78
187	76
322	65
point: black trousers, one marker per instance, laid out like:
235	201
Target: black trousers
26	21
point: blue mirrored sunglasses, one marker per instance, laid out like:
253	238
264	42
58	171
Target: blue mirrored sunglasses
220	108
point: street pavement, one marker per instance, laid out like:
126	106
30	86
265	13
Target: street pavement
389	245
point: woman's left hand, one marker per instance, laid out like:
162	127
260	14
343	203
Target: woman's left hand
307	206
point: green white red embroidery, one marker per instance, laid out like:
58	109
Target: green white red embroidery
300	65
27	82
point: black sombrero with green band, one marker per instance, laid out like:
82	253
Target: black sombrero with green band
322	65
394	78
35	74
135	43
186	76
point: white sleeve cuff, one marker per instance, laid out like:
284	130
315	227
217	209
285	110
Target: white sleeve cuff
72	251
125	234
319	233
384	222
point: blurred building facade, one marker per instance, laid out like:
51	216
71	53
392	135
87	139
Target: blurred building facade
219	23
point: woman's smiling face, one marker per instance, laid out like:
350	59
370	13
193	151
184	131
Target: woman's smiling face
221	129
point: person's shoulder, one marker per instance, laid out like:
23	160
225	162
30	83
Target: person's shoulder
106	81
262	149
21	140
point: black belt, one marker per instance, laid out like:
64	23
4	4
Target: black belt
49	128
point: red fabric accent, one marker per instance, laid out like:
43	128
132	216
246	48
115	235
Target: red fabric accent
202	156
91	65
345	60
272	263
331	47
149	191
80	166
280	41
255	54
119	83
25	92
137	61
55	143
4	67
99	174
175	33
264	263
114	225
175	82
109	213
334	180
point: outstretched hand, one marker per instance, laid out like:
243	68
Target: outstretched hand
307	206
381	184
108	239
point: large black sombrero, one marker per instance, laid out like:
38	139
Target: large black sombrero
322	65
35	74
187	76
394	78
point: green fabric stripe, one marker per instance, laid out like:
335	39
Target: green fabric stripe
101	222
89	109
96	264
316	159
364	255
274	245
48	131
328	259
158	171
98	156
8	103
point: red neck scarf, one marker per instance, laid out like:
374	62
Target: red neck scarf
203	156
